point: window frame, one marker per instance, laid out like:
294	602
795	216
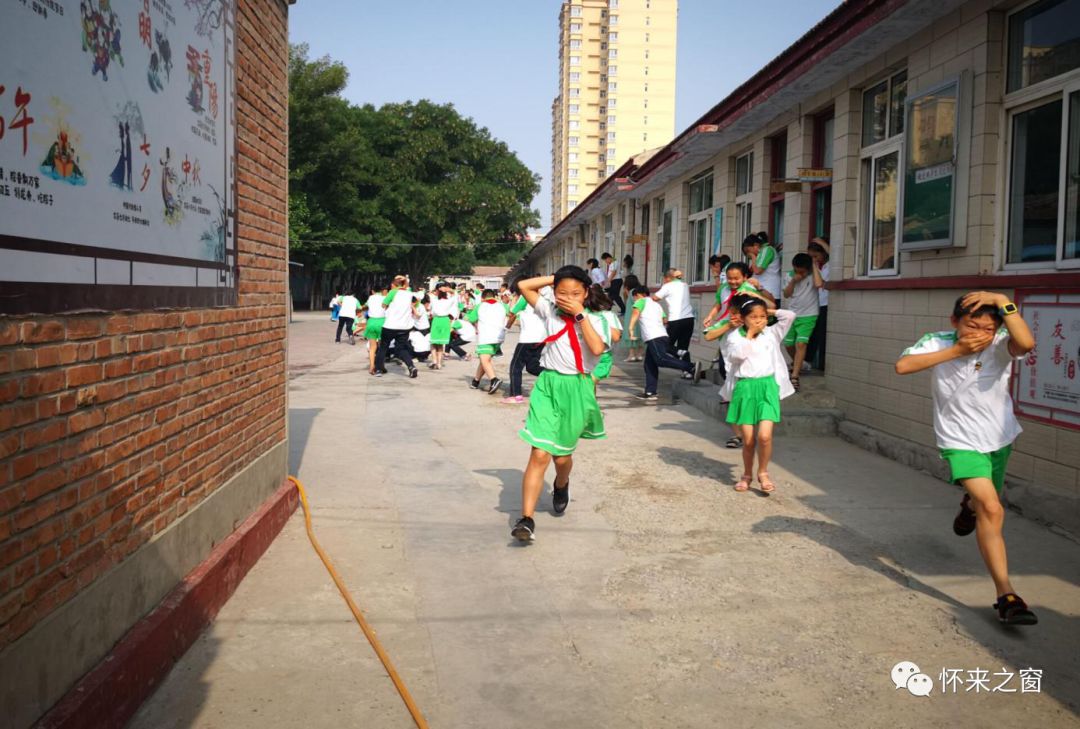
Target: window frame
777	172
744	202
817	160
697	261
1056	88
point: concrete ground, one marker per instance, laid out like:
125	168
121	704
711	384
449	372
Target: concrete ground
661	598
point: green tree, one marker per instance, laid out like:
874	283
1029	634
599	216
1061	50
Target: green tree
406	188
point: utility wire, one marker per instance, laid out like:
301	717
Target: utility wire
413	245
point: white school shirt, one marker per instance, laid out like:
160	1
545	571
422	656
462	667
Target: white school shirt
444	307
762	356
676	295
559	355
348	305
374	306
399	312
533	330
613	271
466	331
614	323
420	342
804	298
597	275
421	320
490	322
768	259
651	319
823	293
972	407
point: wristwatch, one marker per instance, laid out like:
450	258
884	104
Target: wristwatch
1009	308
580	316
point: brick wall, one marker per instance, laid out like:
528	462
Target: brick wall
114	425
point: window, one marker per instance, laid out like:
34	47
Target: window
614	20
611	153
572	173
574	124
611	136
611	119
574	77
612	86
572	157
613	53
575	60
883	109
822	158
575	27
572	141
931	156
575	44
700	195
575	93
646	54
610	169
647	23
646	37
612	70
613	37
1042	210
571	189
613	4
573	108
1044	42
572	204
744	189
575	11
778	172
611	104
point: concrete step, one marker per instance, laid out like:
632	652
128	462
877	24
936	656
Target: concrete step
810	412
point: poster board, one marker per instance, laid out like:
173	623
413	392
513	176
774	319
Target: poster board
117	158
1046	383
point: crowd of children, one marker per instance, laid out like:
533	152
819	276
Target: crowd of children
767	327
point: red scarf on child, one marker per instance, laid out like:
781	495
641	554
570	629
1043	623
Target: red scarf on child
571	332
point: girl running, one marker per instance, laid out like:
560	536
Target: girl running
562	406
376	314
758	382
723	328
443	309
489	316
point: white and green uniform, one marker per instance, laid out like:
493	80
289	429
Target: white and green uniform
757	376
603	365
533	330
490	320
376	316
768	260
804	302
442	310
562	406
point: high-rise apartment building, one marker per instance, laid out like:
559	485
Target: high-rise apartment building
616	91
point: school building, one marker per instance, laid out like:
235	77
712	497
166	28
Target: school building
936	144
143	315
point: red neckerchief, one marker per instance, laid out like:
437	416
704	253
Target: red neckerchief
490	301
571	331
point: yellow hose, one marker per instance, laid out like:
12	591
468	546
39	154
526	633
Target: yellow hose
398	683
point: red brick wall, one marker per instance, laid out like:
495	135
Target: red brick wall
113	425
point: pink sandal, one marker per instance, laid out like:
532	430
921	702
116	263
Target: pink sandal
767	484
744	483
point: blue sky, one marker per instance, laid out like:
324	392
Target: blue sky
497	60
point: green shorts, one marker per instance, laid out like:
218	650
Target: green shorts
972	464
562	410
800	331
373	330
754	399
492	349
603	366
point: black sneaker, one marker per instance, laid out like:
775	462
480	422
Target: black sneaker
474	385
646	396
560	498
523	530
414	373
964	523
1014	611
698	372
494	386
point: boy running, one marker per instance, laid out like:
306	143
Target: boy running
801	297
974	421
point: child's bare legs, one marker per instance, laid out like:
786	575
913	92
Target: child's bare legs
989	520
485	367
748	443
372	350
798	356
532	483
764	445
563	465
437	354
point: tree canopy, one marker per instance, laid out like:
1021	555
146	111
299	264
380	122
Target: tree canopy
408	187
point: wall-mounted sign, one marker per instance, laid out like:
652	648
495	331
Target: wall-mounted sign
1046	385
811	174
637	239
717	230
116	154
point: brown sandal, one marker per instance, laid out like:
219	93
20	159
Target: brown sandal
743	483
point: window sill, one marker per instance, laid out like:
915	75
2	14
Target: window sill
1003	280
